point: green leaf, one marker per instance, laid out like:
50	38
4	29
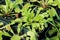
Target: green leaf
7	5
35	25
50	1
58	34
17	9
32	35
45	14
47	38
39	9
46	25
11	31
52	31
12	5
38	17
19	26
25	11
12	22
41	27
18	20
7	2
1	33
31	14
24	19
6	34
8	27
27	38
52	12
19	1
58	24
15	37
1	23
33	0
54	38
57	2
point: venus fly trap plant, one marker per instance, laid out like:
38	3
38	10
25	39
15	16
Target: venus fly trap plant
27	22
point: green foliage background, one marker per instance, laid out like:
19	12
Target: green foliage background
32	20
